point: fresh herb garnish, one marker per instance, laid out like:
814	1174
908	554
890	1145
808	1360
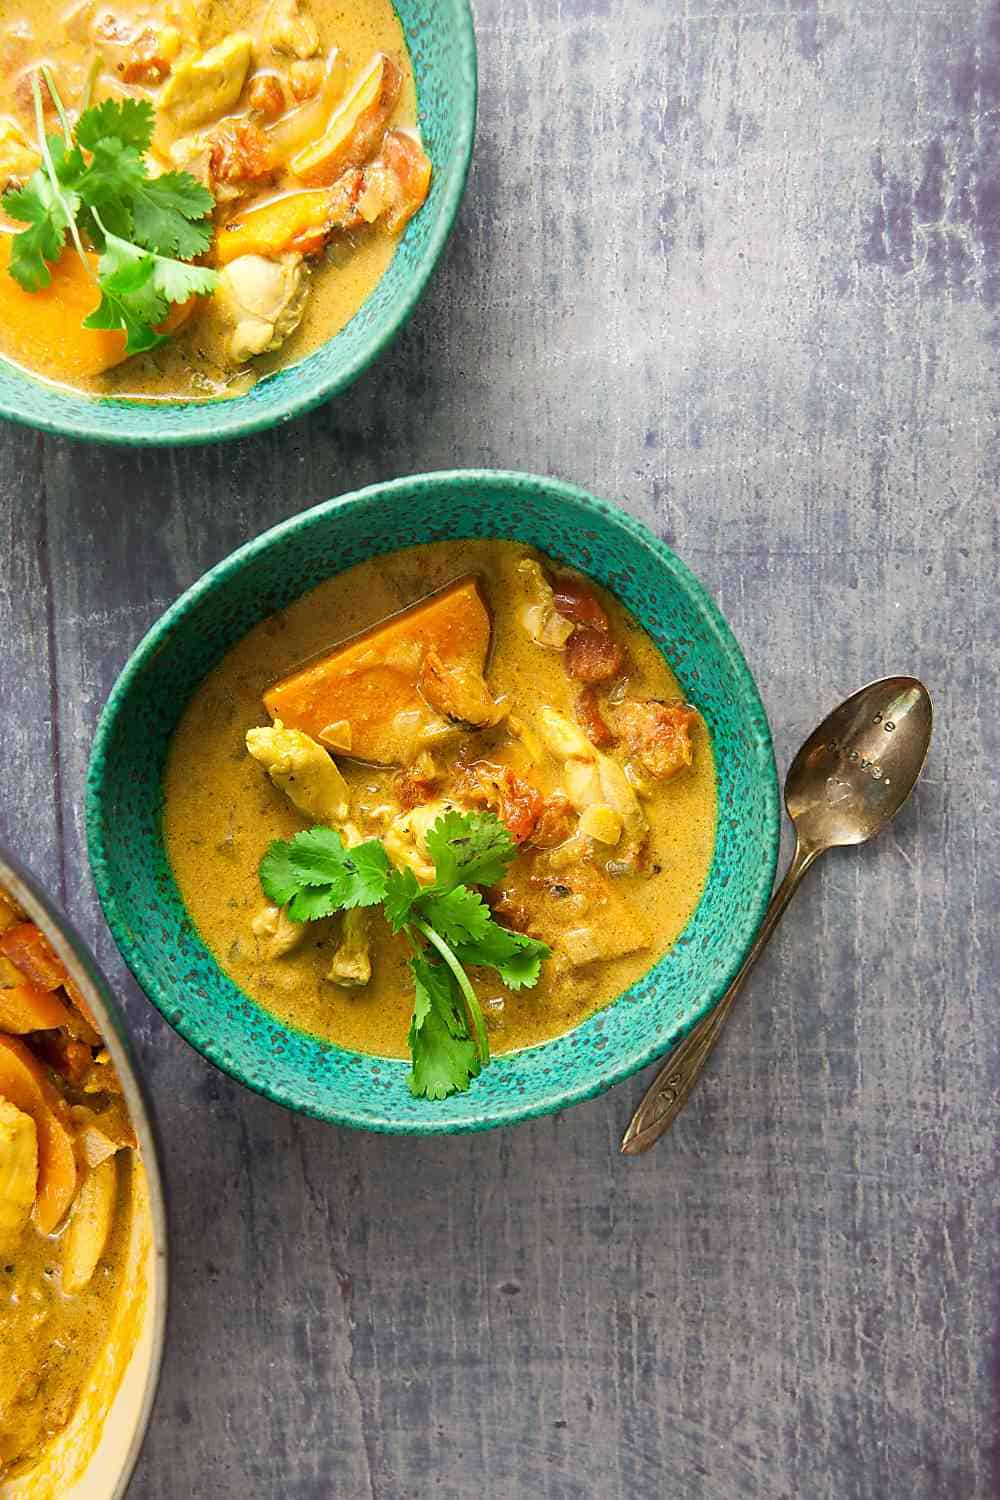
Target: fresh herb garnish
94	182
448	924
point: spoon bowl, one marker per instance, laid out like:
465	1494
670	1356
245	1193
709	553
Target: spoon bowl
856	769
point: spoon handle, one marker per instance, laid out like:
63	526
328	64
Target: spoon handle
669	1091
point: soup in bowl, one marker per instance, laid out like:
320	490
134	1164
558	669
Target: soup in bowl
436	836
197	197
82	1231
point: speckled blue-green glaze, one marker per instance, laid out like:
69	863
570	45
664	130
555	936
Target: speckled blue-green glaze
148	918
442	45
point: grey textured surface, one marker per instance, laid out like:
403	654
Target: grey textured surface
735	266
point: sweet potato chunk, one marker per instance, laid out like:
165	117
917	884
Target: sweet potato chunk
355	129
298	221
23	1083
372	682
49	324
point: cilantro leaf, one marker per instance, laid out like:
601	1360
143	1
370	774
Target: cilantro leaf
469	849
168	214
312	903
130	297
445	1059
318	856
401	890
516	957
278	880
128	120
460	915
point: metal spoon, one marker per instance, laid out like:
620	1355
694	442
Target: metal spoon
851	776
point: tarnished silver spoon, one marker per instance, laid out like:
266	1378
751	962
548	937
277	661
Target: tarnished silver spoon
851	776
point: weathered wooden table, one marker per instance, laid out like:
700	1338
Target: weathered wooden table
736	267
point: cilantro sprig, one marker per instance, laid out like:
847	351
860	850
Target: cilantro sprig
447	923
94	185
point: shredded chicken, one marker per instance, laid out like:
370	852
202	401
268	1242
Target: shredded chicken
459	692
303	770
276	930
263	301
540	618
593	777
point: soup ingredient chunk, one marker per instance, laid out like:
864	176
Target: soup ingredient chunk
373	683
302	770
23	1083
90	1224
659	735
356	126
203	87
263	301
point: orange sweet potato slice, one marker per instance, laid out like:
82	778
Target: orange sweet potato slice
24	1007
355	129
24	1082
298	221
47	329
371	682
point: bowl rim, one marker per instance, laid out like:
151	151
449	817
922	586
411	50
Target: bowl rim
157	639
116	1033
203	422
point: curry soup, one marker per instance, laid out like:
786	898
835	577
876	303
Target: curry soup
69	1192
297	116
520	688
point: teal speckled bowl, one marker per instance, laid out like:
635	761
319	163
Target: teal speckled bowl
148	918
442	45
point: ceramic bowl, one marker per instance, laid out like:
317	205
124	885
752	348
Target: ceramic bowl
147	916
442	43
93	1456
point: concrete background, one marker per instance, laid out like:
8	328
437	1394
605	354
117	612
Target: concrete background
735	266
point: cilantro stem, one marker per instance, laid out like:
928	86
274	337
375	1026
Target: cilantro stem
464	983
50	167
50	84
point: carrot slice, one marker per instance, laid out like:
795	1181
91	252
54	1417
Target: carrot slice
372	680
23	1081
24	1007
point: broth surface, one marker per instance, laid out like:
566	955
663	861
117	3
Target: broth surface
221	812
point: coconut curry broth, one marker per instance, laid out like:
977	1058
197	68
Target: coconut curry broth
68	1192
302	60
221	812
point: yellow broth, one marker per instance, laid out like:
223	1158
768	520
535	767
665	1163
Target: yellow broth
221	811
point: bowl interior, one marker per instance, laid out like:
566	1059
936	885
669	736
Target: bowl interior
149	921
442	46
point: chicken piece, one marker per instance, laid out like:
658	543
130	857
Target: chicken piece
290	30
18	1171
277	932
405	838
303	770
658	735
263	299
593	777
193	18
17	159
396	182
539	616
459	692
202	88
355	129
352	964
